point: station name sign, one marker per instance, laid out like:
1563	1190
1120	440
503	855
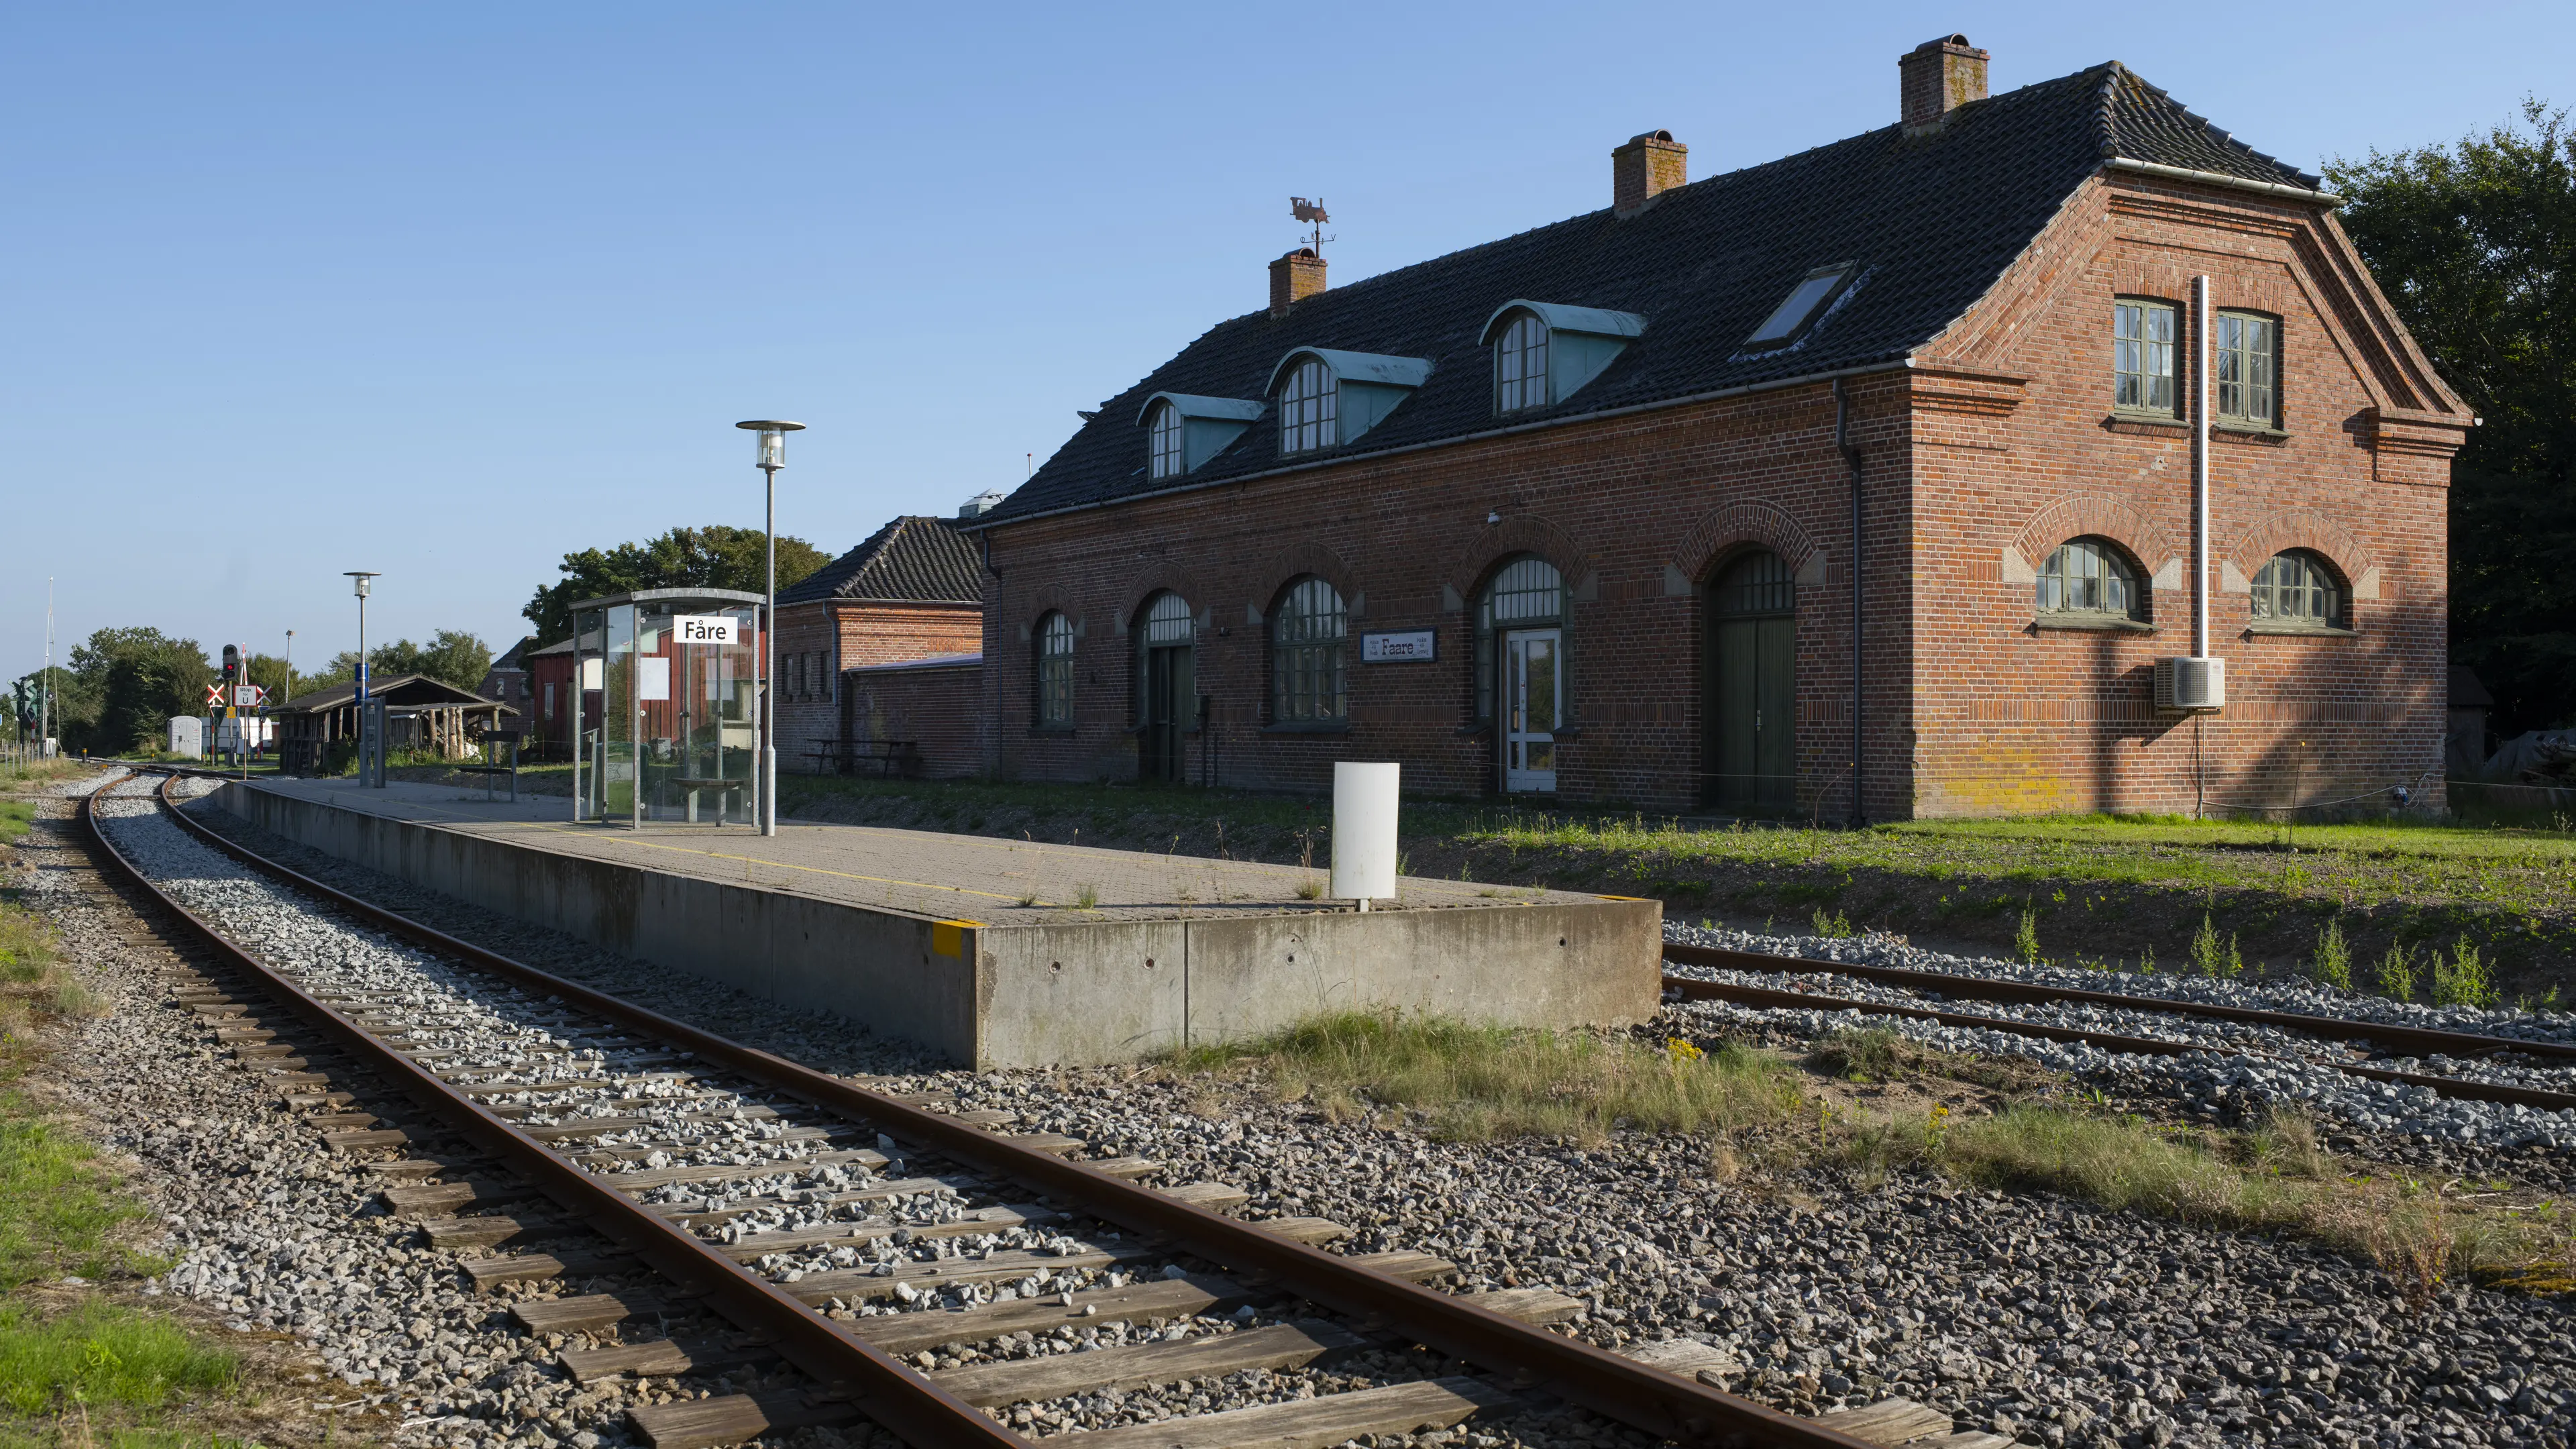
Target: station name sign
1411	646
703	629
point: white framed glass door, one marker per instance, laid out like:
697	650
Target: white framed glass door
1533	682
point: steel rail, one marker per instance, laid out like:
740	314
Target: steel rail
846	1367
1765	996
1522	1356
2412	1040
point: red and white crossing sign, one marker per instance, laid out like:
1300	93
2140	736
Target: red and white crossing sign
215	695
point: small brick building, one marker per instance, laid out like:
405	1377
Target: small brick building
1857	482
877	653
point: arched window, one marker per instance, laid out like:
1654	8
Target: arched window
1163	440
2089	579
2299	588
1520	365
1525	593
1308	634
1055	672
1309	409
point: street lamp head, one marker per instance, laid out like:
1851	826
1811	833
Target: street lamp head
772	439
363	579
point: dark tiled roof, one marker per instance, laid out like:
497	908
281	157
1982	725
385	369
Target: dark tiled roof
914	558
401	691
1932	220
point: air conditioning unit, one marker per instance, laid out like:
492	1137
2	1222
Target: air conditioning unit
2187	685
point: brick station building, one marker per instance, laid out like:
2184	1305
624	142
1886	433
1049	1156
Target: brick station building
1600	511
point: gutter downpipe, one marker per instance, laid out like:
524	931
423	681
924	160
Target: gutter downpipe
2200	360
1851	457
2202	355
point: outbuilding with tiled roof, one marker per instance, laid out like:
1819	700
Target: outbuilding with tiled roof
912	591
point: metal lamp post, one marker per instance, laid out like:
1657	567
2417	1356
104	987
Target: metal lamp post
772	456
367	741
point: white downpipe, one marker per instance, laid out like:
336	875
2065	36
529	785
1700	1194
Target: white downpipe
2203	355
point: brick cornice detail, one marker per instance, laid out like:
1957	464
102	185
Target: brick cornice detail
1154	579
2309	528
1722	530
1296	561
1518	533
2101	516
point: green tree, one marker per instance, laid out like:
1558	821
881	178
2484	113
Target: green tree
452	656
718	556
129	682
2475	245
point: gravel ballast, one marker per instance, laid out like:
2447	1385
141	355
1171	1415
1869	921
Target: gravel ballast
2045	1320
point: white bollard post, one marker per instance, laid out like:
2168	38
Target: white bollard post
1364	831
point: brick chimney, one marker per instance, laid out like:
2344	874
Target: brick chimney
1294	278
1644	168
1939	77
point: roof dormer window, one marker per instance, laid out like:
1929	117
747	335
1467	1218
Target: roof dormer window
1328	397
1309	409
1520	366
1805	305
1183	431
1544	352
1163	454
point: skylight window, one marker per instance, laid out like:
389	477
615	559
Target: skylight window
1802	305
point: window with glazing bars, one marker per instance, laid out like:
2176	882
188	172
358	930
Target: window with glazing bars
2142	356
2297	588
1055	671
2089	576
1520	366
1309	409
1164	455
1168	622
1527	593
2245	366
1308	636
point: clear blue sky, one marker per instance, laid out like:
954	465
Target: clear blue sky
450	290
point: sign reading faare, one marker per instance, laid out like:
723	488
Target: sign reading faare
1412	646
703	628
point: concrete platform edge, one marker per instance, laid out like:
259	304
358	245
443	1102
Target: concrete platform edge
1051	994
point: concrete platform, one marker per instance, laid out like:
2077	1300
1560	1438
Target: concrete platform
984	950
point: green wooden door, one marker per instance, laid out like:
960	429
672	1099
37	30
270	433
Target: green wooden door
1753	631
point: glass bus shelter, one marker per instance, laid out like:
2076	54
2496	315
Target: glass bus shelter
670	707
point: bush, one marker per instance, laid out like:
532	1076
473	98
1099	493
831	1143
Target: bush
2209	957
2397	973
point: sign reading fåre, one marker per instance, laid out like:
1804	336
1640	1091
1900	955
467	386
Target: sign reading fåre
703	628
1412	646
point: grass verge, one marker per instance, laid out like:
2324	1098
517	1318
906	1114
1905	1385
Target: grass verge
1464	1083
2121	890
76	1367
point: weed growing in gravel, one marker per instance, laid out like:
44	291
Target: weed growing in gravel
2026	937
101	1354
2462	980
2397	973
2332	965
1086	896
1835	927
2210	958
1479	1084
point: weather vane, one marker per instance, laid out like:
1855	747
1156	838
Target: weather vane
1313	213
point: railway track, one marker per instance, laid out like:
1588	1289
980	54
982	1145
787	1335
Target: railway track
1931	987
710	1207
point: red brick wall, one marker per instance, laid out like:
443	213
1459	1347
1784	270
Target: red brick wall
939	708
818	642
1978	463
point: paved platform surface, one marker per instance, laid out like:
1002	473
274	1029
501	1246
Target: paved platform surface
976	878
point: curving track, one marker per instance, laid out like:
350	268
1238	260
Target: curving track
665	1218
